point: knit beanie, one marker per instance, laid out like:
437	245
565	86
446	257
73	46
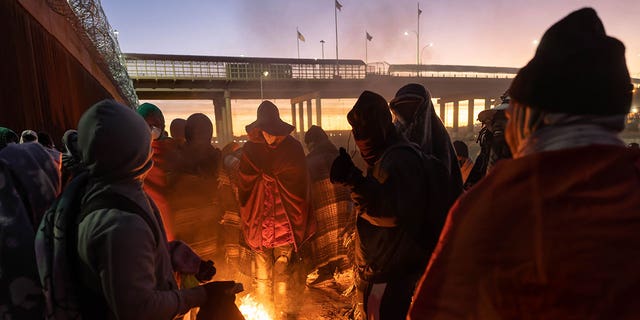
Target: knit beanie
147	109
577	69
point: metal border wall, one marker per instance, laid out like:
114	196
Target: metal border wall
91	24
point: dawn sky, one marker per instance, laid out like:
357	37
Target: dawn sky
466	32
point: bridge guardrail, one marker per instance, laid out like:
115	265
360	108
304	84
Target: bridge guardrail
171	67
239	70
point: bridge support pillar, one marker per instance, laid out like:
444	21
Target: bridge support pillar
470	117
299	103
294	123
487	103
443	110
222	112
228	117
456	115
318	112
301	118
309	114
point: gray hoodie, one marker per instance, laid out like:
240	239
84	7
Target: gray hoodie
118	249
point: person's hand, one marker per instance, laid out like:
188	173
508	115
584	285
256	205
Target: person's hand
220	303
222	289
206	271
343	171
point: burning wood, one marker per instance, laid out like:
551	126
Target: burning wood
252	309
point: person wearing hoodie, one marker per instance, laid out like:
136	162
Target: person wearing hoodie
123	267
165	160
400	207
28	136
29	183
177	130
71	162
491	139
553	232
416	119
332	207
196	213
7	136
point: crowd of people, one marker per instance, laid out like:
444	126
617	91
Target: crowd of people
140	223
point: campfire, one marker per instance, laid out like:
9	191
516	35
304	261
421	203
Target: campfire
251	309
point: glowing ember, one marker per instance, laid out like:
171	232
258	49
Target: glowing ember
252	309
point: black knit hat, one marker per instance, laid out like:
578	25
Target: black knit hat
577	69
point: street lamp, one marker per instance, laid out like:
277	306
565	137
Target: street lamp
262	75
429	45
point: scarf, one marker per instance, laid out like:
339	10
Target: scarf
530	130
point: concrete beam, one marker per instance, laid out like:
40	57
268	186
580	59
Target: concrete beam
309	114
456	115
301	118
293	116
470	118
318	112
228	116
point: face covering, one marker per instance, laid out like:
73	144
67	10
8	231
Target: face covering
155	133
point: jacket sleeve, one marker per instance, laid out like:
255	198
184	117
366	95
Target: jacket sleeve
395	196
120	249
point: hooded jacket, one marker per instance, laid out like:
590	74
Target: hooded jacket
399	204
119	255
427	130
28	185
331	203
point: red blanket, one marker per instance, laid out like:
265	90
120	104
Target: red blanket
155	183
553	235
276	180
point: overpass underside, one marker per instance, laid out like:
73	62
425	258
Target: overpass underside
304	91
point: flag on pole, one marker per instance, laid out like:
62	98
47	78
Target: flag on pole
300	36
369	37
338	6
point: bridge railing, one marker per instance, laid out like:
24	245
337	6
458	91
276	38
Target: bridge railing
451	71
141	66
426	74
176	67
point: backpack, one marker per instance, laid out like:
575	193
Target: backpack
56	251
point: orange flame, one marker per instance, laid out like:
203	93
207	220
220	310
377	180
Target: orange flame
252	309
